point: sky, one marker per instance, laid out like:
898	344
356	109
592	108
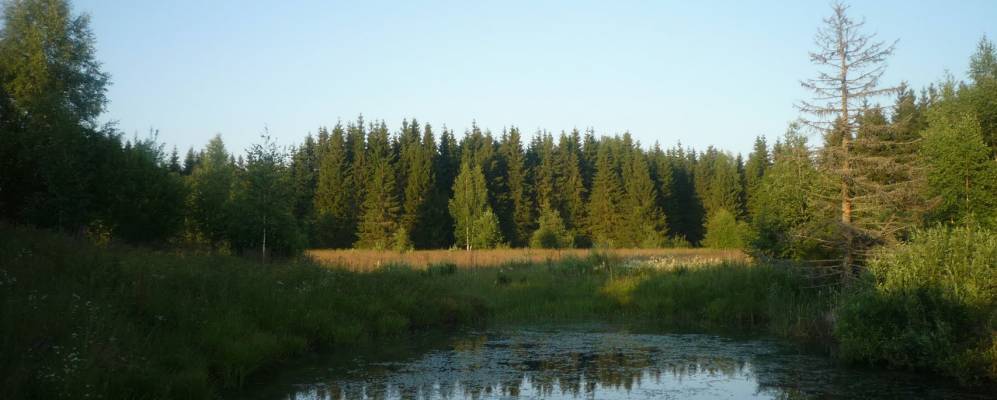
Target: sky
696	72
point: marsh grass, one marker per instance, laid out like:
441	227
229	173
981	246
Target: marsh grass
368	260
79	321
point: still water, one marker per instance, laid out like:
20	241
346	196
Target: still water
594	362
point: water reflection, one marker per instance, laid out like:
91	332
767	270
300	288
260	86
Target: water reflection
585	364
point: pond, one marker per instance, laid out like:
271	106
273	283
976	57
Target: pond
593	362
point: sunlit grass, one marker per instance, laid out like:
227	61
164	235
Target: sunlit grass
367	260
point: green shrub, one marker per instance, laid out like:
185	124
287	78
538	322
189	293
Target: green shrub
724	231
551	233
929	304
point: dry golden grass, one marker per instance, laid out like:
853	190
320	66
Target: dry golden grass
367	260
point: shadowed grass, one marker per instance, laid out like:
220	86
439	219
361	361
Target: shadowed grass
77	320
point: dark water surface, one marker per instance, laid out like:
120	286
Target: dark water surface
594	362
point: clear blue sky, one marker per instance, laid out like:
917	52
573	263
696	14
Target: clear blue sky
701	73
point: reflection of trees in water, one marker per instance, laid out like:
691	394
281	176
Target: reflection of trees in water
595	365
477	367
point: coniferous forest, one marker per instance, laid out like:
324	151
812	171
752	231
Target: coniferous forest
894	185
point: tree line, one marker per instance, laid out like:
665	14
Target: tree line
882	170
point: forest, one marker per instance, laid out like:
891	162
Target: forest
924	158
894	186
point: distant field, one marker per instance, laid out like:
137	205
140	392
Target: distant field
363	260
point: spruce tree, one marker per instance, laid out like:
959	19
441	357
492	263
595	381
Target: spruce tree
418	155
211	185
643	222
603	213
758	162
439	224
379	213
521	218
961	177
571	184
332	198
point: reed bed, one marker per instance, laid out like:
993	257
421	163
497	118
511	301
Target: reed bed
370	260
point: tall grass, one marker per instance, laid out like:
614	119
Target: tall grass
367	260
78	321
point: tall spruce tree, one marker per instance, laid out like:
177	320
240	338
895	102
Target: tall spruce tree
961	177
418	154
604	215
571	185
518	224
379	213
643	221
332	197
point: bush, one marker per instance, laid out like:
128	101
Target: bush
928	304
551	233
724	231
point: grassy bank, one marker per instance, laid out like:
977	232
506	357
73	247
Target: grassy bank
132	323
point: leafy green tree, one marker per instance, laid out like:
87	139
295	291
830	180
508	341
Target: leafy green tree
551	233
724	231
486	232
52	90
332	197
146	199
264	204
469	207
379	217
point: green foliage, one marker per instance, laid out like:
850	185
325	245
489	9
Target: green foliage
485	232
332	199
960	174
603	213
129	323
551	233
211	185
724	231
418	154
930	305
642	218
520	216
146	205
263	204
475	225
379	218
785	221
401	241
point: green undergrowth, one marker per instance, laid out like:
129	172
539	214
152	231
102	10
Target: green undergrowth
79	321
